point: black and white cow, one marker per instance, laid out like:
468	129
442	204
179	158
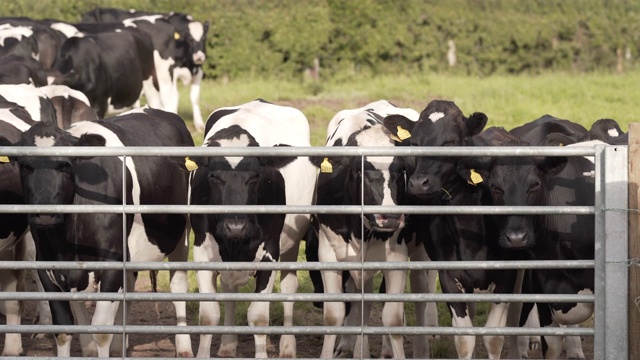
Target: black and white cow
39	40
434	181
340	182
17	40
112	67
98	237
71	105
36	103
190	54
553	181
15	240
251	180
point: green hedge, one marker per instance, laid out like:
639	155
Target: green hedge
281	38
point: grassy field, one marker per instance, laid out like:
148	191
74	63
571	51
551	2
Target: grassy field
508	101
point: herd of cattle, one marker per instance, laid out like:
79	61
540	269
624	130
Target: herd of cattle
85	57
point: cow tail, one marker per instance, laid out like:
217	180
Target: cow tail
153	277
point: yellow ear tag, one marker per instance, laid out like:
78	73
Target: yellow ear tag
394	138
4	159
475	177
190	164
403	133
326	166
176	35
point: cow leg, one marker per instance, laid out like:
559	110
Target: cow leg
497	318
180	285
118	348
513	318
530	319
289	248
421	282
573	346
356	346
44	312
209	312
195	100
551	345
258	312
333	312
89	347
465	344
11	281
229	342
393	312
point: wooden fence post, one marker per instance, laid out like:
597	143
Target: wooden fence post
634	241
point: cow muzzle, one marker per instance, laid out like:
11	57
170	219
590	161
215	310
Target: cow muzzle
515	239
387	222
423	186
45	220
199	58
235	227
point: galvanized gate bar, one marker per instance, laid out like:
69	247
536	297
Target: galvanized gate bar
611	272
300	151
413	265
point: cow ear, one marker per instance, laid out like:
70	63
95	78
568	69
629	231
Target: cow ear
558	139
276	161
5	142
91	140
553	165
474	170
475	123
399	128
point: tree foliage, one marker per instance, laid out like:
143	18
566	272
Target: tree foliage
283	37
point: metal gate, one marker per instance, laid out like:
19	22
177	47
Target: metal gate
611	260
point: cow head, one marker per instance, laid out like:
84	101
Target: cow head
441	123
50	179
191	36
354	180
248	180
513	181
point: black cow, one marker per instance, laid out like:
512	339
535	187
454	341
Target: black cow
553	181
435	180
250	180
110	67
15	69
98	237
191	41
536	132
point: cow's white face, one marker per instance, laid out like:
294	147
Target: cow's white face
379	180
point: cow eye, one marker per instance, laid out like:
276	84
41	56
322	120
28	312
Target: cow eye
534	187
26	167
64	167
495	189
450	143
214	179
253	179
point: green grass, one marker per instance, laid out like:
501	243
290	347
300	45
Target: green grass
508	101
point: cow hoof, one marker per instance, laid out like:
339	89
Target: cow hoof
343	354
433	337
227	353
38	336
185	354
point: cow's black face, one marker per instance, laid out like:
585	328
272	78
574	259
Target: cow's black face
441	123
516	182
50	180
234	182
520	182
46	181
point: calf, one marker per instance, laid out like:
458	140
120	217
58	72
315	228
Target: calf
98	237
250	180
537	132
355	181
553	181
434	181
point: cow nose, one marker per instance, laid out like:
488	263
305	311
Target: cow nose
388	221
419	184
235	226
45	219
516	239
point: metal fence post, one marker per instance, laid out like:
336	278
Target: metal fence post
611	254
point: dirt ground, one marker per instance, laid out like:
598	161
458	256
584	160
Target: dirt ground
162	313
